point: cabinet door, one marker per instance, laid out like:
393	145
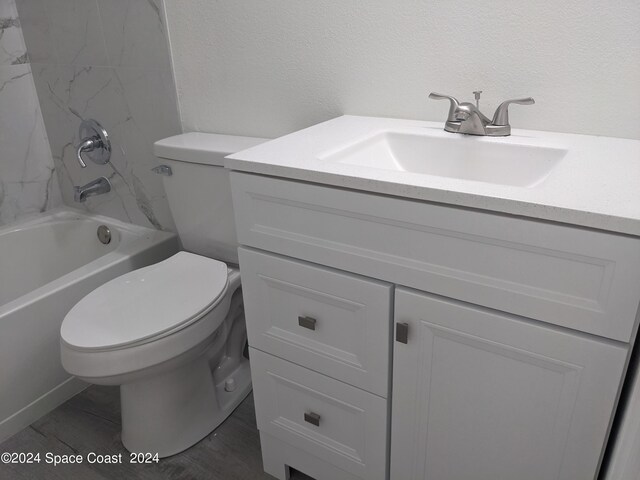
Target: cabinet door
480	395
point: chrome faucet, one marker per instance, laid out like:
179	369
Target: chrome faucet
95	187
467	118
94	143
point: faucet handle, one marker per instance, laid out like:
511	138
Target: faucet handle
87	145
501	117
454	104
94	142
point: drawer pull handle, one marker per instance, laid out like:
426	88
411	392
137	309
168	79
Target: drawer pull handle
312	418
402	332
307	322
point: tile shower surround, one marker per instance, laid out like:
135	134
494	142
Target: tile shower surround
107	60
28	183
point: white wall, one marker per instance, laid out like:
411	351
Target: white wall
270	67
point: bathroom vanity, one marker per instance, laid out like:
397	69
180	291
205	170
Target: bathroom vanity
441	319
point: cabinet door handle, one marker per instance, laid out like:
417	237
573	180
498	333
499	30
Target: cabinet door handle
402	332
307	322
312	418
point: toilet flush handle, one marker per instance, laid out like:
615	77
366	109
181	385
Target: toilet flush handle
163	170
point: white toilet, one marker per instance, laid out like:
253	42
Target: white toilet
172	335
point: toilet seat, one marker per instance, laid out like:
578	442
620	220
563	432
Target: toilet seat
146	304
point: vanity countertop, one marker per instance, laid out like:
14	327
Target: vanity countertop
596	185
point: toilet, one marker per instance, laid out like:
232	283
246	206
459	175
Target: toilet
172	335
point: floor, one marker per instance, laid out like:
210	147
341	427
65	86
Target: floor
90	422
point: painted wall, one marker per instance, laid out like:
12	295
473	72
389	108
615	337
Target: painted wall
28	183
106	60
269	67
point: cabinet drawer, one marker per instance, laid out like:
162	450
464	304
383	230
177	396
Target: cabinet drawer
333	421
331	322
582	279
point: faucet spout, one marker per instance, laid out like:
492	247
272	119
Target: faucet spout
95	187
471	120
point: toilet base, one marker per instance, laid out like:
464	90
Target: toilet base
172	411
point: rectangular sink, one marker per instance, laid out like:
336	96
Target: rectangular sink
458	156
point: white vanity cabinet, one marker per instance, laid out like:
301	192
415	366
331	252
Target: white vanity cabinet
517	335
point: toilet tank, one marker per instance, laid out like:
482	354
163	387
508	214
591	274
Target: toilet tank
199	192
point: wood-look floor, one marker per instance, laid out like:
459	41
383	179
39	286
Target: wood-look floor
90	422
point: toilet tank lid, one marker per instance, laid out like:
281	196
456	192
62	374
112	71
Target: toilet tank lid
205	148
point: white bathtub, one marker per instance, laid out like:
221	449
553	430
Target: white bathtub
47	264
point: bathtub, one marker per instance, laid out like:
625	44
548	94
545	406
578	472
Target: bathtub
47	264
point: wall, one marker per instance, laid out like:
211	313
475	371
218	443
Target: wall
269	67
106	60
28	183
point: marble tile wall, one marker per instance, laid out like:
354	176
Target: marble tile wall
28	183
107	60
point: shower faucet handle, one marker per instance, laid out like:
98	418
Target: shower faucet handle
94	142
88	145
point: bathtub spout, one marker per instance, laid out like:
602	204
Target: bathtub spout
95	187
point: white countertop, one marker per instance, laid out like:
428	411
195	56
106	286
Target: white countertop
597	184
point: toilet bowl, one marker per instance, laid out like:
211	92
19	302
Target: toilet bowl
172	335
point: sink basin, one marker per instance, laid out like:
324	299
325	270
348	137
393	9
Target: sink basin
461	157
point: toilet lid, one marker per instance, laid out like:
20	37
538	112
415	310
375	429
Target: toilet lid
146	303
